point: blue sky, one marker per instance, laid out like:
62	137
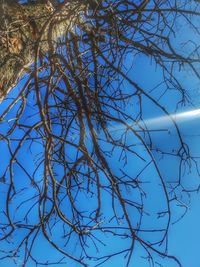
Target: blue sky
184	235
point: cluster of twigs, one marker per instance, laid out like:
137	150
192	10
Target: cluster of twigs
71	178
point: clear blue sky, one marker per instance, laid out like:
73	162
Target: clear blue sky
184	236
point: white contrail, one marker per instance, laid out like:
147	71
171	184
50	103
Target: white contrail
162	120
178	117
156	121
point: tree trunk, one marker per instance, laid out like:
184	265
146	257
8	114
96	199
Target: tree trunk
23	27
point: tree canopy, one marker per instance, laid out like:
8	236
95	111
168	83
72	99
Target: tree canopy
80	170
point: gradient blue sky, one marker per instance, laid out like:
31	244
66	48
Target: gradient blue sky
184	236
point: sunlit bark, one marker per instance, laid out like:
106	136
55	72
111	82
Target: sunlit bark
27	29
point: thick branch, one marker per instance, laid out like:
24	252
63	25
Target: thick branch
23	27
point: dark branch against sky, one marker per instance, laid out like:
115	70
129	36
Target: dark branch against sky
85	173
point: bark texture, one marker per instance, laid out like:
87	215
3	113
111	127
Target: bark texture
26	29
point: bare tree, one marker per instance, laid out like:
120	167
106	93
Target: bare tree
69	177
